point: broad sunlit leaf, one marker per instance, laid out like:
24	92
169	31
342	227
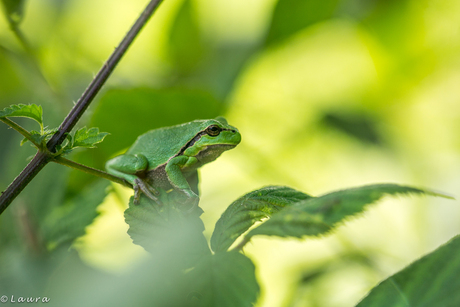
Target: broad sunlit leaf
319	215
249	209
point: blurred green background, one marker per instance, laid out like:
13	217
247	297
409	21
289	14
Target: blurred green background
327	94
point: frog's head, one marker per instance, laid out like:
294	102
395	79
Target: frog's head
218	132
214	137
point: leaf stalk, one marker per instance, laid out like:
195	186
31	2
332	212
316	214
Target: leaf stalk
20	129
240	245
89	170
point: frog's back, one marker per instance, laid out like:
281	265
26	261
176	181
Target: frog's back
159	145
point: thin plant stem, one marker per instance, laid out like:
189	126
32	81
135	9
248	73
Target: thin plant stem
19	129
92	171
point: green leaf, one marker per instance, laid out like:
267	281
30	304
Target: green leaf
83	137
357	125
40	138
249	209
224	280
66	146
318	216
201	63
88	137
48	133
14	9
152	226
24	110
186	46
291	16
35	135
67	222
430	281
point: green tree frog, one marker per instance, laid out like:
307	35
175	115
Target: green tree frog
168	158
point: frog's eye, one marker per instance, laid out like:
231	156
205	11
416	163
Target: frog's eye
213	130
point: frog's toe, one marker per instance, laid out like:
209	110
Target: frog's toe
152	189
137	194
140	185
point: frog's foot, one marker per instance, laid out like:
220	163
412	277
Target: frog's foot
139	186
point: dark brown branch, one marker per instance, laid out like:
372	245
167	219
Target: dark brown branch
42	158
20	182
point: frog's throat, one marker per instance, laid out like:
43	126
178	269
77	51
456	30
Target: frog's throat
212	152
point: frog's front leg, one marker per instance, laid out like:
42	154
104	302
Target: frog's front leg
126	167
177	179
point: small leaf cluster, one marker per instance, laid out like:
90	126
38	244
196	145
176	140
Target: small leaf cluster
83	137
38	137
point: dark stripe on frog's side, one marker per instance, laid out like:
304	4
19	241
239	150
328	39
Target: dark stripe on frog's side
196	138
190	143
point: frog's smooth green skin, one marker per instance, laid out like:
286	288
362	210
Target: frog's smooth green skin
168	158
